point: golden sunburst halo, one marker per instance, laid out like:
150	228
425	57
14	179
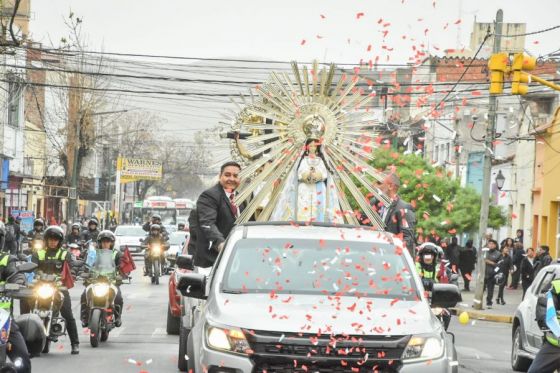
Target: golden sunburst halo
270	133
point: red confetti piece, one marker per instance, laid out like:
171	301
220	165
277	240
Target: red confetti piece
359	15
322	16
302	42
458	21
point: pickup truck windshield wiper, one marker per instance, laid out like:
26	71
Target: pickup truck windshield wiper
228	291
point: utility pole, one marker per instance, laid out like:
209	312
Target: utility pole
489	152
457	154
72	205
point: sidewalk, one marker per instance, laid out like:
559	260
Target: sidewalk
497	313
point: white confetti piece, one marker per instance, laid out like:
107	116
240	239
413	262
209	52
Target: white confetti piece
436	198
148	362
132	361
282	338
186	357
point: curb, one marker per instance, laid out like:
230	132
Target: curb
481	315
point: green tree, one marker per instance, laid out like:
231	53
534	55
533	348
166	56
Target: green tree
442	206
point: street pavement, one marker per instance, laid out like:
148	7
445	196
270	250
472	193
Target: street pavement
141	344
482	346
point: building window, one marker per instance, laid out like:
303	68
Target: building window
436	154
14	99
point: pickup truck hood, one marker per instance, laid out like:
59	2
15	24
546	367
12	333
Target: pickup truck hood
318	313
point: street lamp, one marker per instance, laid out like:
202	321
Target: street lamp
500	180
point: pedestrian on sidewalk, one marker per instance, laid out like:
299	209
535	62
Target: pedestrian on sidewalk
519	235
491	258
516	258
467	261
505	267
453	254
543	258
527	270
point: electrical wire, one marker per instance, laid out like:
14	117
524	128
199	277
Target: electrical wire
534	128
529	33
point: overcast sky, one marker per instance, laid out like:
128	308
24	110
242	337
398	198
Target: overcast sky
342	31
276	29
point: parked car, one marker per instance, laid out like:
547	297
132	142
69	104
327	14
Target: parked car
526	334
177	304
176	242
129	236
312	298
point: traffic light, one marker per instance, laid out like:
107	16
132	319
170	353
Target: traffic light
520	65
498	66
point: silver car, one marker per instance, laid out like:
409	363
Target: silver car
526	334
315	298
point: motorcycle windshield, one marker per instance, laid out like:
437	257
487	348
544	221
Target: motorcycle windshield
104	263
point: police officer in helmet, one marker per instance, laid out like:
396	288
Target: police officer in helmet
38	229
106	241
156	220
91	232
51	261
427	261
548	318
156	237
74	235
18	350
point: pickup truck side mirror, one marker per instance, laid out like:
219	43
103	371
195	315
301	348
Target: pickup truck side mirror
185	262
445	295
192	285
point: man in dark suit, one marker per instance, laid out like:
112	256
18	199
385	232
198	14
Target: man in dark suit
399	217
216	212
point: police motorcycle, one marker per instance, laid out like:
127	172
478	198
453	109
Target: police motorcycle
101	289
436	274
32	245
154	251
30	326
46	303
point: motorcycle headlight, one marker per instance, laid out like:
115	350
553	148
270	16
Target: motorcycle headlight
421	348
230	340
45	291
156	249
37	245
100	290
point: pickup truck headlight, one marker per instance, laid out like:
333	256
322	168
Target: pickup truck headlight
423	347
227	339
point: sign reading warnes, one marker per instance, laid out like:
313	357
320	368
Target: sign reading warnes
133	169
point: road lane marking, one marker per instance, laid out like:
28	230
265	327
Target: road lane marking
159	331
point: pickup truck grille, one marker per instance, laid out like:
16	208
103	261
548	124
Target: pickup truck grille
275	352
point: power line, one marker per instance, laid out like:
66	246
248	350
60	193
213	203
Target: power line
530	33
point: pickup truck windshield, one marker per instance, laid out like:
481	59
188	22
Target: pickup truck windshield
313	266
